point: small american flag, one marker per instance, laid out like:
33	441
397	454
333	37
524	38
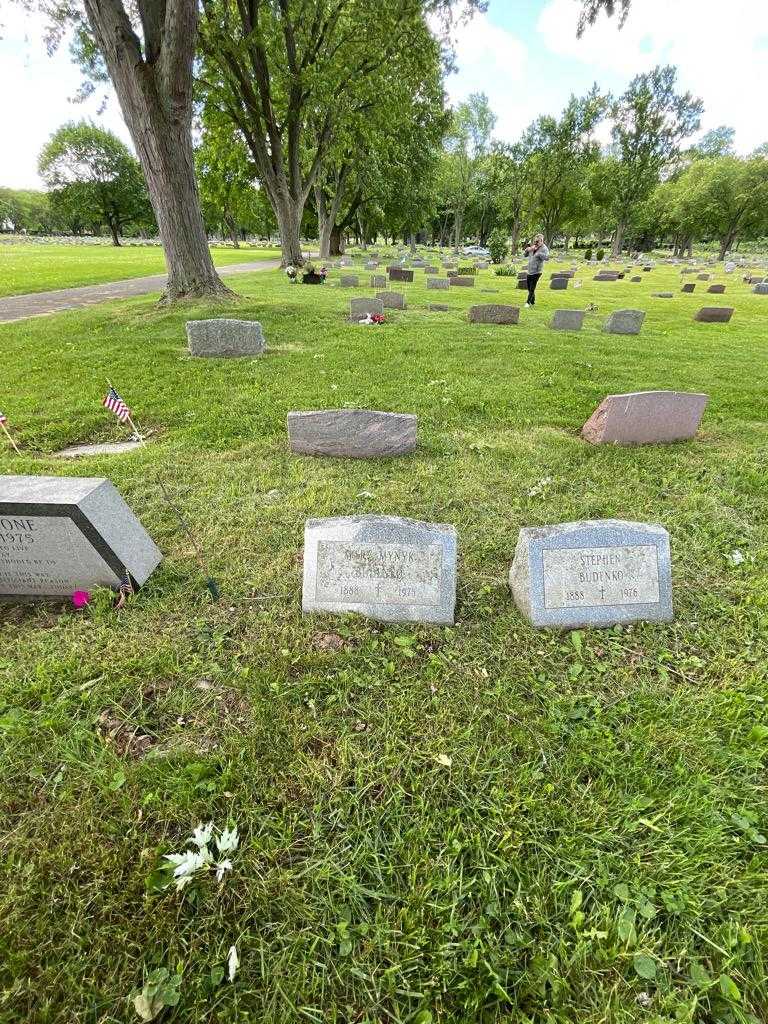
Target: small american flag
115	404
3	419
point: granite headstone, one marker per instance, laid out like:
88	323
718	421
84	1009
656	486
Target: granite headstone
62	534
352	433
592	573
384	567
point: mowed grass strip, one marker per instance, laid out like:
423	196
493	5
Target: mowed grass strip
482	823
41	267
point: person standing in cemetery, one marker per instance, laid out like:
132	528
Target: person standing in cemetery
537	253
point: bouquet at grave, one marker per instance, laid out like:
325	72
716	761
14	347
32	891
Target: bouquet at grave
290	273
372	318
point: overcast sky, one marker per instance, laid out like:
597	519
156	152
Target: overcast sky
523	54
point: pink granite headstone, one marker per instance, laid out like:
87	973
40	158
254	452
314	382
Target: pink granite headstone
646	417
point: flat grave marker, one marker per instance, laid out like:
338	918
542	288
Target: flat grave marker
225	339
714	314
494	313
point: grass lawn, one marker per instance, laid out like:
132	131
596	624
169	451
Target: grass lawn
480	823
44	267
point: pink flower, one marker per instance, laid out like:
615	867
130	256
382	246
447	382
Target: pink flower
80	598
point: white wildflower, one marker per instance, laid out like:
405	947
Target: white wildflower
228	840
232	963
735	557
221	867
202	834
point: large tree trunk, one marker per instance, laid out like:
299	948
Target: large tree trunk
726	243
336	241
288	215
153	82
114	232
234	234
618	239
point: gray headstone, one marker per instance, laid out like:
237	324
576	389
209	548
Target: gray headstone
348	281
568	319
558	284
62	534
593	573
379	281
438	307
714	314
361	308
703	277
635	280
462	282
716	289
385	567
352	433
606	275
646	417
760	289
398	274
371	264
662	295
225	338
494	313
438	284
688	287
430	270
392	300
78	451
624	321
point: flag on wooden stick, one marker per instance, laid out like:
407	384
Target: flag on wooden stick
115	404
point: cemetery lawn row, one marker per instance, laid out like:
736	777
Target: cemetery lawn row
480	823
45	267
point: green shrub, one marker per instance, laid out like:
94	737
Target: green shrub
498	246
599	254
505	271
588	253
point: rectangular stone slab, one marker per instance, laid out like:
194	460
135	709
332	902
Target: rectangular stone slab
438	284
558	283
624	321
688	287
361	308
714	314
494	313
646	417
592	573
384	567
760	289
462	282
348	281
716	289
225	338
62	534
568	319
392	300
379	280
352	433
398	274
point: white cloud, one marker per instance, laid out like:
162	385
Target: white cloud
36	91
493	61
721	52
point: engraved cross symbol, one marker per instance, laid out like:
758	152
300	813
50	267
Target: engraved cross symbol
602	593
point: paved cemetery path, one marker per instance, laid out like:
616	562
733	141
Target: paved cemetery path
19	307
